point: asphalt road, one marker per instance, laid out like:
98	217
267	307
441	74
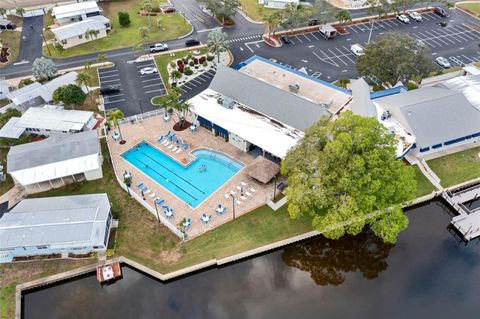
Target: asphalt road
31	42
332	59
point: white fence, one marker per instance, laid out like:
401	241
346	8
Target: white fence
139	117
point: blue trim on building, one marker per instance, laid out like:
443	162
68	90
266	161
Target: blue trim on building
387	92
286	68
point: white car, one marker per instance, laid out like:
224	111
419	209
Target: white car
414	15
403	18
443	62
148	70
357	49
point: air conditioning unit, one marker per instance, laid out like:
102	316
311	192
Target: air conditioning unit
226	102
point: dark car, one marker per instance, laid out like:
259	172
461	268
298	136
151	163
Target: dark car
7	26
312	22
192	42
109	89
441	12
169	10
285	39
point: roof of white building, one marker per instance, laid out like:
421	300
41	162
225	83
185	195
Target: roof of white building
74	9
57	156
361	103
433	115
78	28
268	134
67	221
34	90
53	119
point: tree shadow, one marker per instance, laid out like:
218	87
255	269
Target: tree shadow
328	260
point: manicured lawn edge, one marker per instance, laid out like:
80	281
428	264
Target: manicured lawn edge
12	38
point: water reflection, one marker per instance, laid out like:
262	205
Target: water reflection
428	276
327	261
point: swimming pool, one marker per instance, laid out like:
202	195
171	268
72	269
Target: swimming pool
192	184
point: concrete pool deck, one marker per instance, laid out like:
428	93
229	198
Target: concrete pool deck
150	130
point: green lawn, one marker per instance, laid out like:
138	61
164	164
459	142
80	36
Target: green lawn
457	168
424	187
171	27
255	10
10	39
8	182
162	61
472	7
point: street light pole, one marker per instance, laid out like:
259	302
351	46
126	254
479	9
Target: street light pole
156	209
233	204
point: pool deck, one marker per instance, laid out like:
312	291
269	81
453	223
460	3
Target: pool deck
150	130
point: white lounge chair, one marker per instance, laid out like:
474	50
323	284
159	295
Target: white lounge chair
227	196
174	149
165	142
238	202
171	145
239	188
248	194
179	150
253	190
147	191
244	184
232	192
152	195
243	197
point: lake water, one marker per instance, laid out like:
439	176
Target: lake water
427	274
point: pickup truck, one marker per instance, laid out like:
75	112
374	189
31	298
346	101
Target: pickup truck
158	47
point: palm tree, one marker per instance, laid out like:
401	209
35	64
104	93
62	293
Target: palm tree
144	31
181	109
147	6
116	115
343	16
91	34
101	57
217	42
87	64
175	75
271	21
83	79
46	29
20	11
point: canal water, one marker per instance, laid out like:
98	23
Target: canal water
427	274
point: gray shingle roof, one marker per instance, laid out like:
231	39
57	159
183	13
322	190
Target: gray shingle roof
77	28
66	221
54	149
433	115
362	103
271	101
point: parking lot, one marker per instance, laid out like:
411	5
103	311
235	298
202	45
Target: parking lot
136	90
333	59
197	84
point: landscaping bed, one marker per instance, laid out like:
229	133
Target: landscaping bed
11	46
189	67
471	8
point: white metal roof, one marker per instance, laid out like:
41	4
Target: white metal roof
34	90
75	9
54	119
77	28
11	130
268	134
66	221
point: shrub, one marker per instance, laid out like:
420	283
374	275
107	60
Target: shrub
411	86
25	82
180	63
202	59
195	60
191	63
124	19
173	65
196	66
210	57
181	68
188	71
185	60
155	9
205	63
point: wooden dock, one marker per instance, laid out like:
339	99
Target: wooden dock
467	222
114	270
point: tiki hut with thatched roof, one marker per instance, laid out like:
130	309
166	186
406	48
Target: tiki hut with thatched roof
262	169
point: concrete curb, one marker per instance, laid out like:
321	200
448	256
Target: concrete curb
244	14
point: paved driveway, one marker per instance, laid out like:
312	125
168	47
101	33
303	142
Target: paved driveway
31	42
332	59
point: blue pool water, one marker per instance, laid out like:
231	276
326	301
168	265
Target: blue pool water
188	183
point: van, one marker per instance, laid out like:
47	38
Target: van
357	49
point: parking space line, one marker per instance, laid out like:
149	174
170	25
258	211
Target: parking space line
150	85
186	84
394	22
116	101
114	80
348	54
150	80
109	76
444	36
432	15
307	38
473	33
144	65
335	56
196	81
109	96
331	62
465	37
432	37
157	90
110	71
205	77
313	35
380	25
424	16
344	55
466	57
351	28
298	39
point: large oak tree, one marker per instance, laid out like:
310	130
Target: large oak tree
395	57
344	175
